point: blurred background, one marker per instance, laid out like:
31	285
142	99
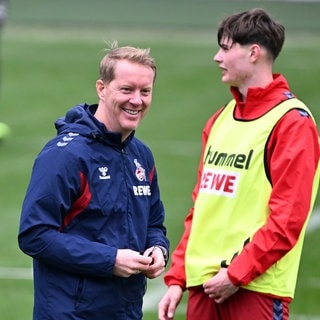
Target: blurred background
50	52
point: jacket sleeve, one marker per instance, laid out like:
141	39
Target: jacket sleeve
176	273
292	160
156	228
53	187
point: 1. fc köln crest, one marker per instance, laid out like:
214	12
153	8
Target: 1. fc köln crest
140	172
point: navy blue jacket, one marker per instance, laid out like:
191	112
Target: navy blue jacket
89	195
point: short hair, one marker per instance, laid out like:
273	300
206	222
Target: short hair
132	54
253	26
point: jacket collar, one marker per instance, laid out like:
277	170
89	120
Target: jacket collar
261	100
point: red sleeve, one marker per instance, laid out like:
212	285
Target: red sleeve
176	274
292	158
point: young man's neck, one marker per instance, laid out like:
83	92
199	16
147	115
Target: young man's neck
255	82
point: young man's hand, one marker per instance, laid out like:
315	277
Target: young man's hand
169	303
220	287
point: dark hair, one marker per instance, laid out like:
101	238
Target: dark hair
253	26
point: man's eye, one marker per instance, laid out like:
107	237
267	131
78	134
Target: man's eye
125	90
146	92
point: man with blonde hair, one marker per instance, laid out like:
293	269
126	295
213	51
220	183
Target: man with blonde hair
92	218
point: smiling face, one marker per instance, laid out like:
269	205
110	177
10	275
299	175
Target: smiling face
126	99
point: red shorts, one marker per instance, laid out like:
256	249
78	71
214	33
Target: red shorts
243	305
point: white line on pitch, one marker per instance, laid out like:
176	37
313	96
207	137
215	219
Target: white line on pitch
16	273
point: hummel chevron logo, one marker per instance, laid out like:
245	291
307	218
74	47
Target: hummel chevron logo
67	138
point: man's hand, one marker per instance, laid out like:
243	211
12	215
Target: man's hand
129	262
220	287
169	303
157	265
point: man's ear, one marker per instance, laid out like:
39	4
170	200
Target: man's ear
100	86
255	52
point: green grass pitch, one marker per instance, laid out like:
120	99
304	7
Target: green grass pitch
50	52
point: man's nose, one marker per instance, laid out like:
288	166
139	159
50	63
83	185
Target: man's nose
136	99
217	56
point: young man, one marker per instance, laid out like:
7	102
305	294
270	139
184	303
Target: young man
257	180
92	218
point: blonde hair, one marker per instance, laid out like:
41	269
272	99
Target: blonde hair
133	54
